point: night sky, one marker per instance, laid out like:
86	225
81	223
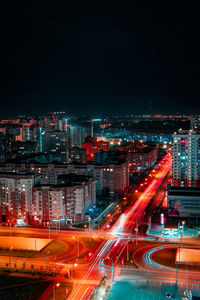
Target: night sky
99	59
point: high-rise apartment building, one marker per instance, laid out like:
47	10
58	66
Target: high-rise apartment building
186	159
67	201
16	196
111	176
77	135
57	142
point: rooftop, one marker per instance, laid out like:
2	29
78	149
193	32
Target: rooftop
183	191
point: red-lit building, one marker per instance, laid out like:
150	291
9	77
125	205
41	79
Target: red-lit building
93	145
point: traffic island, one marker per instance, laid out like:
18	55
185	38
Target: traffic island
101	291
169	257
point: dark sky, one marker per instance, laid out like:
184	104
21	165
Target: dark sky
93	59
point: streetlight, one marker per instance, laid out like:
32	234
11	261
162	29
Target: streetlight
77	245
47	261
49	221
49	230
35	243
74	266
54	290
10	228
89	219
10	257
127	252
112	271
136	231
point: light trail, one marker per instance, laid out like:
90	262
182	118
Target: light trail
148	260
95	263
123	223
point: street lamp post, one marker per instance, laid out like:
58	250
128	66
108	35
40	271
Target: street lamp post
10	228
49	222
77	246
35	243
89	219
186	273
127	254
74	266
177	266
180	244
54	290
136	237
47	261
9	264
112	271
49	230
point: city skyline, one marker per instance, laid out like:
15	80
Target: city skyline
99	151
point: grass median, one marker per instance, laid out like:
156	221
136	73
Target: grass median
52	248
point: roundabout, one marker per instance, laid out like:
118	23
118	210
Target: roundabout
162	258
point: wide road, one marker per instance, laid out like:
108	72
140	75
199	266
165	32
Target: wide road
110	250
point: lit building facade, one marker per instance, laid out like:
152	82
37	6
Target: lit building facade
49	173
16	196
24	148
66	202
93	145
58	143
77	135
186	159
115	178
